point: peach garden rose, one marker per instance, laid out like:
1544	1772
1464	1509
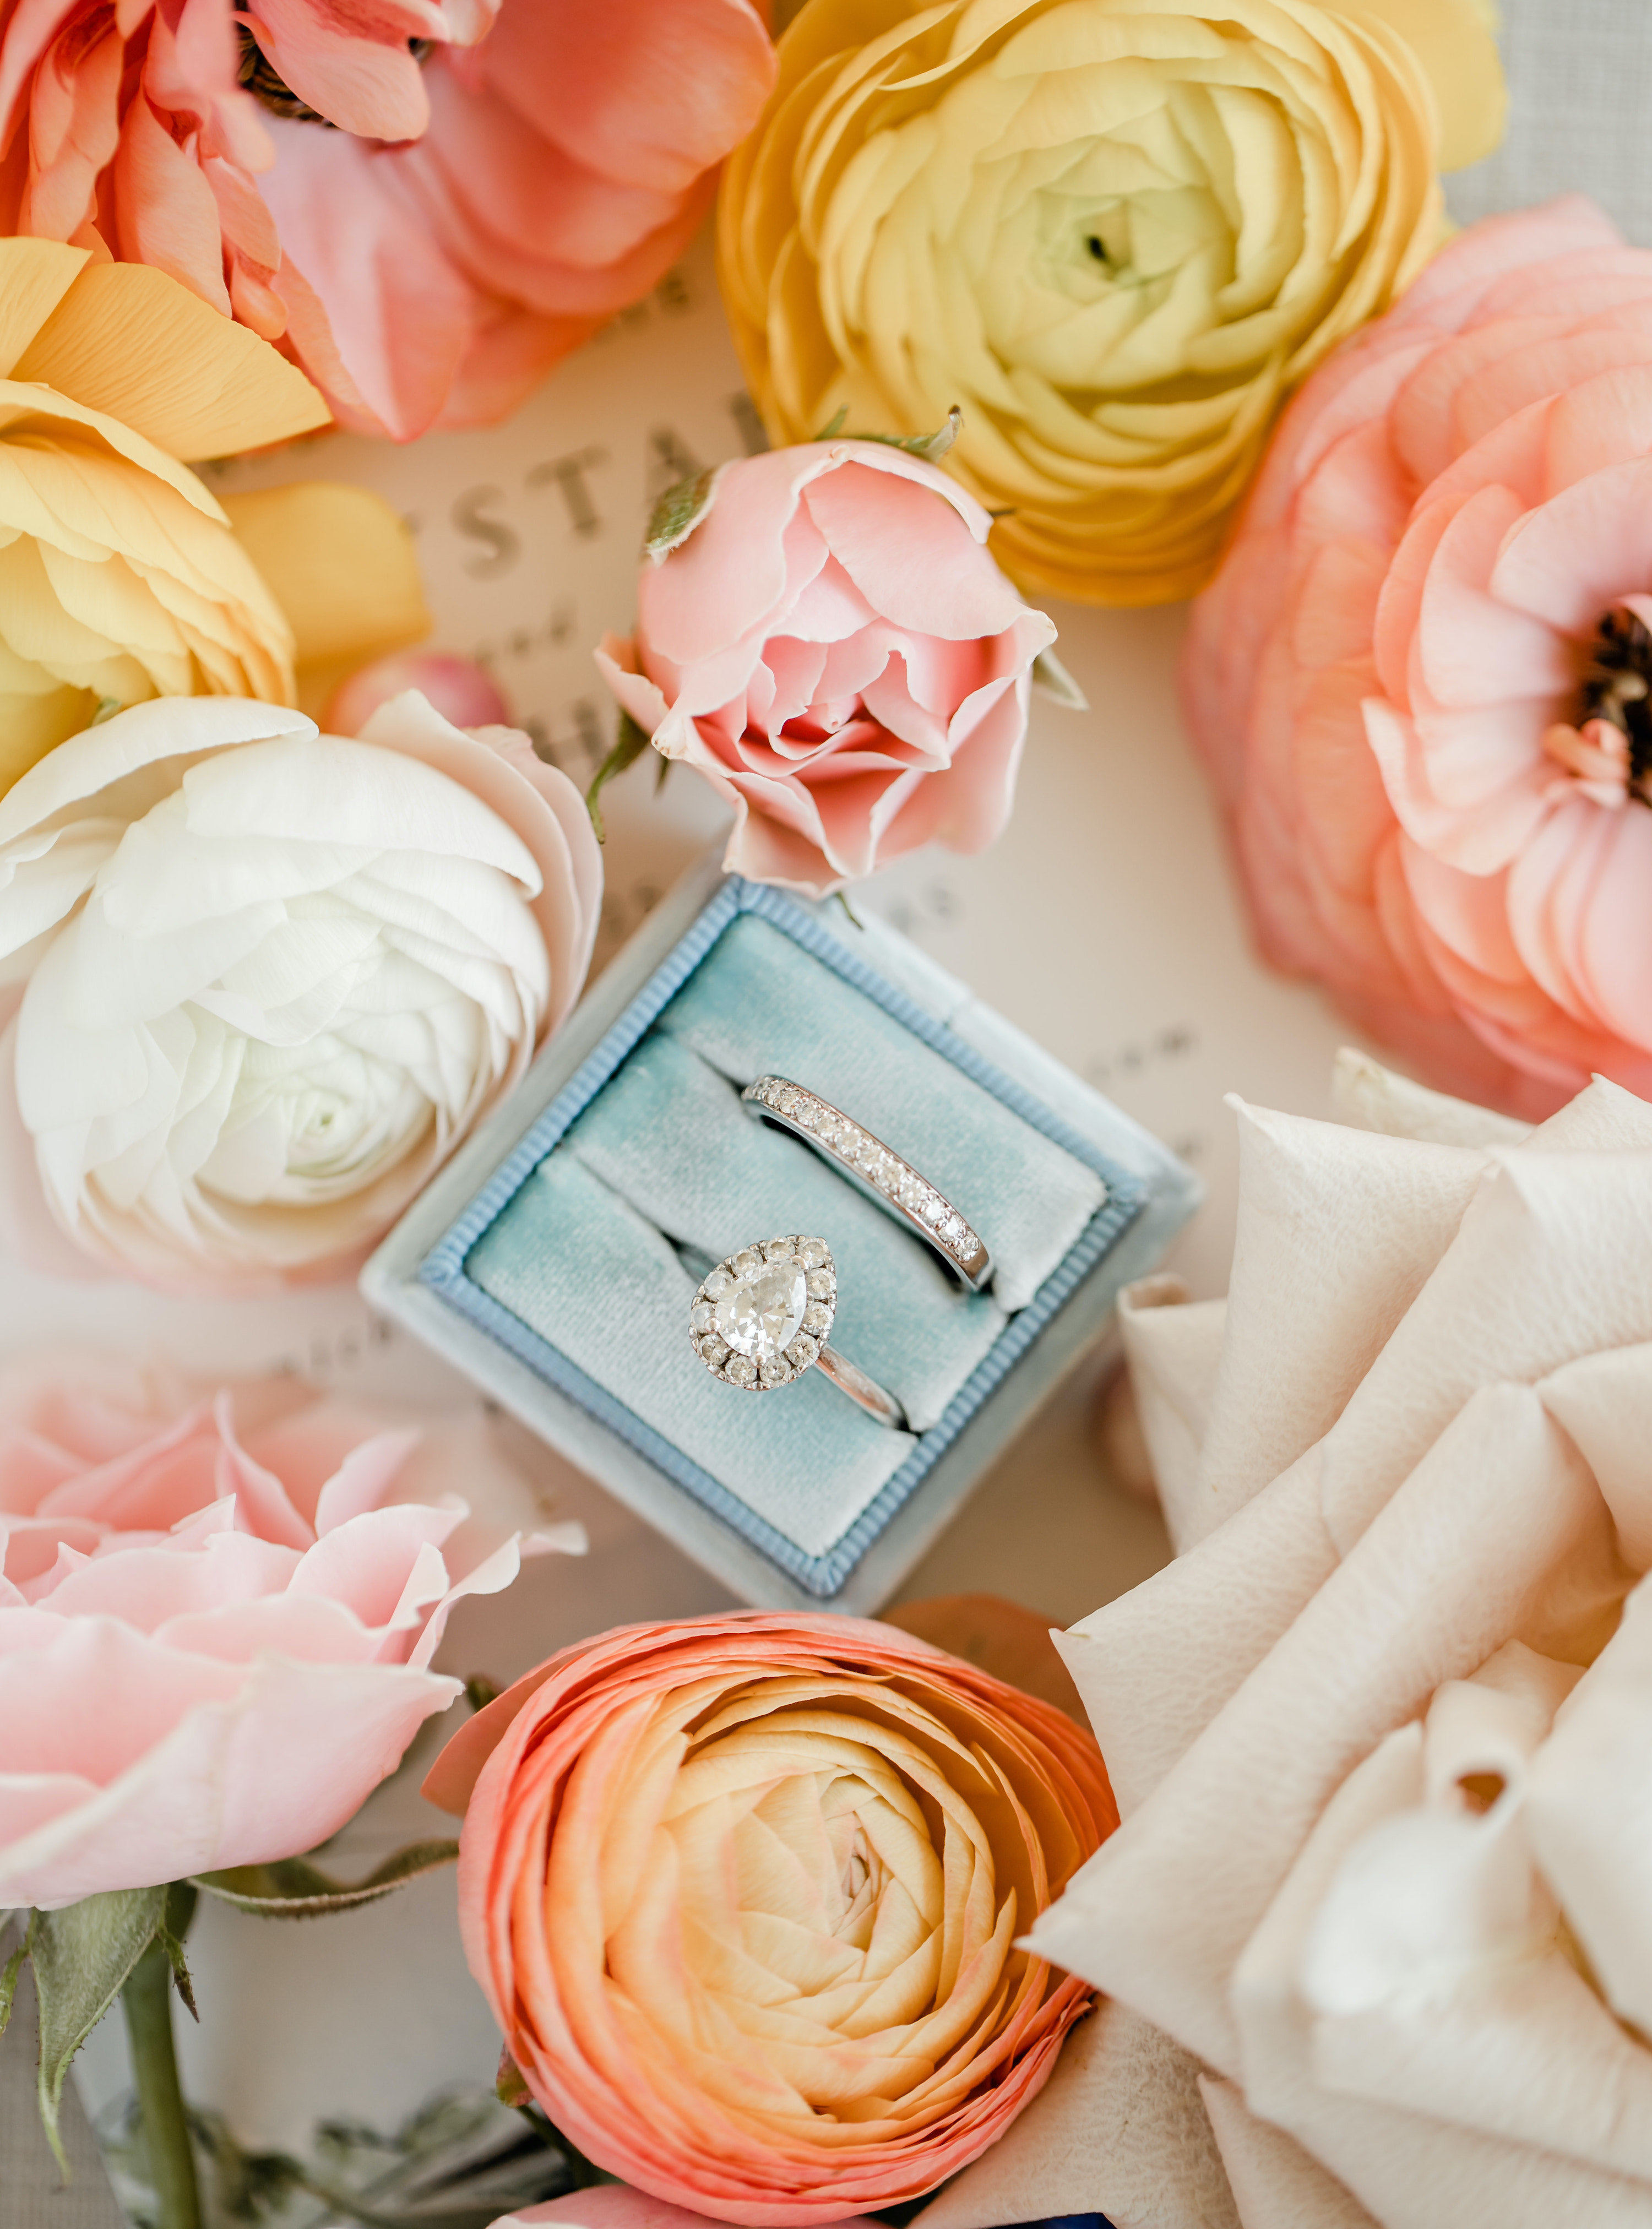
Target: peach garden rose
744	1894
1421	678
830	646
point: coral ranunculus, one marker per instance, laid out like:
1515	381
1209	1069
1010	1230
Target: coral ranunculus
217	1613
1422	677
1117	236
514	171
834	650
260	981
743	1892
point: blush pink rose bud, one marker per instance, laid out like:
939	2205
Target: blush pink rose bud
833	648
463	694
1422	677
744	1894
218	1610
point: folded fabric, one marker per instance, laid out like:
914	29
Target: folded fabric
1378	1735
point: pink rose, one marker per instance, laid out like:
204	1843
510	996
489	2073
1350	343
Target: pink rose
837	653
1420	677
460	690
514	171
217	1613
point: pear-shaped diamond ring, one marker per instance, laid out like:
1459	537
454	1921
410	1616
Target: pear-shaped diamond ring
761	1318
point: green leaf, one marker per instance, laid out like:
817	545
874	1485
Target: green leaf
508	2086
834	424
1052	677
82	1956
107	707
173	1947
9	1979
930	447
294	1889
678	511
632	743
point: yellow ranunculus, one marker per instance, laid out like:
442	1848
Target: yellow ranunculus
121	576
1117	231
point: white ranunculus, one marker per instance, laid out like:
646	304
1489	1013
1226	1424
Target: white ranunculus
259	981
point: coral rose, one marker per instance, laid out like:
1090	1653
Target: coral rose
1117	236
743	1893
515	170
1380	1730
260	981
1421	677
834	650
121	577
217	1613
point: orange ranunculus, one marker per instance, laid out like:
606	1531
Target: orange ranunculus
744	1891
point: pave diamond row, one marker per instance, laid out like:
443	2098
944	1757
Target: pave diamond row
811	1258
870	1159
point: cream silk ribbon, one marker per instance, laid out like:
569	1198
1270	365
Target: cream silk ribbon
1379	1733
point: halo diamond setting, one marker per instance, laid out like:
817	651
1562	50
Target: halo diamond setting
761	1318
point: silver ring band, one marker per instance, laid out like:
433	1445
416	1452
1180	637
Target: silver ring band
760	1320
870	1164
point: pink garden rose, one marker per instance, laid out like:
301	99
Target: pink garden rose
217	1614
512	172
835	651
1421	676
460	690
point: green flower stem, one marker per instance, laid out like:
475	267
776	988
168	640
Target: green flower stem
147	1999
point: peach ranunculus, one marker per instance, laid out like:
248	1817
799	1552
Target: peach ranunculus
1117	236
122	577
260	982
834	650
1421	677
217	1613
1380	1731
513	171
743	1894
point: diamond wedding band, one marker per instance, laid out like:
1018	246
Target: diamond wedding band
868	1163
761	1318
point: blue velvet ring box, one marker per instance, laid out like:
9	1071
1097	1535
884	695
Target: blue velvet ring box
556	1257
